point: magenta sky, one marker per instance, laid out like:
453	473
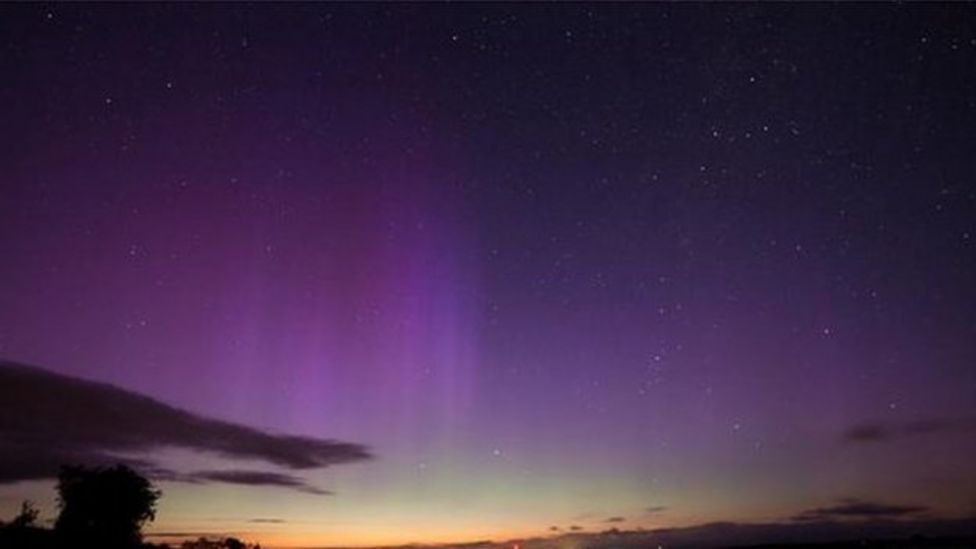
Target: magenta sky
551	264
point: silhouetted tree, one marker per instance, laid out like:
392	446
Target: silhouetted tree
104	507
22	531
27	516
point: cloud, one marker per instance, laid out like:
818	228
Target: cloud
884	431
867	432
54	420
656	509
575	528
858	509
554	528
616	519
255	478
268	521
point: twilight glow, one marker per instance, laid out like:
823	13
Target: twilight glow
555	268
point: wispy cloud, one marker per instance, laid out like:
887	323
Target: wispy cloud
255	478
616	519
56	420
654	509
858	509
880	431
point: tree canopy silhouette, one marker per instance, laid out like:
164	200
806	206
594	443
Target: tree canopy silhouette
104	507
27	516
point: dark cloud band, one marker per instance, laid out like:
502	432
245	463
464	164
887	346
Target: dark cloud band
856	509
51	420
885	431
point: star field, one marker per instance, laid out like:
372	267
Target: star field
545	261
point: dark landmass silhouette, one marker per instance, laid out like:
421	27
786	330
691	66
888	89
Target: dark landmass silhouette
899	534
100	508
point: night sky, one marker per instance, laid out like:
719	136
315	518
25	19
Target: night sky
551	265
